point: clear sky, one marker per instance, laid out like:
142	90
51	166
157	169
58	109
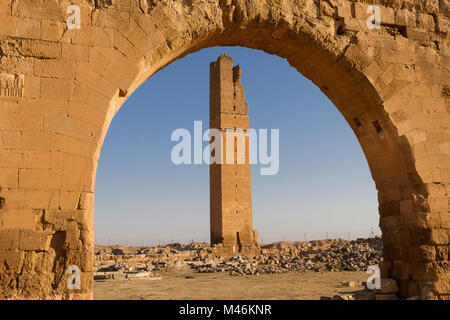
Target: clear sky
323	184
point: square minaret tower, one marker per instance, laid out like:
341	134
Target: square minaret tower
230	181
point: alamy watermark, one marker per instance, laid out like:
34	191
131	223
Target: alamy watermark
374	20
74	18
231	146
374	281
74	280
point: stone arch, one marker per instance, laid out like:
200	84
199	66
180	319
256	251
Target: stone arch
61	88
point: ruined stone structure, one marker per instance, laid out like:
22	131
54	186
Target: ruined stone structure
63	87
230	181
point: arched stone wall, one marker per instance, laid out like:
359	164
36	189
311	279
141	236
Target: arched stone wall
60	89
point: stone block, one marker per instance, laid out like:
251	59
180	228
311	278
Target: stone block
34	240
9	239
405	18
56	89
62	69
387	286
8	177
40	178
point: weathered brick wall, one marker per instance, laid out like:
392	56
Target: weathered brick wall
60	88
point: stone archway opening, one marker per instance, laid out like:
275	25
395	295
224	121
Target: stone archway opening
64	85
176	72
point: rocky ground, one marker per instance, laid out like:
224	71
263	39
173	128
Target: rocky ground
280	257
322	256
187	284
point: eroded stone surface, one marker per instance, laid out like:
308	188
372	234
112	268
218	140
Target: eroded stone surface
391	85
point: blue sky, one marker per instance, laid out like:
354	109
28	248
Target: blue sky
323	185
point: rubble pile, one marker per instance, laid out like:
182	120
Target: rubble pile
322	255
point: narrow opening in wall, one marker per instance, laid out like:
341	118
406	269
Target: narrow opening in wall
377	126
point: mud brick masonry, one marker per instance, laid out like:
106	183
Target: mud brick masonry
60	89
230	183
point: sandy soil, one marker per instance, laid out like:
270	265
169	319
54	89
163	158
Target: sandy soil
188	285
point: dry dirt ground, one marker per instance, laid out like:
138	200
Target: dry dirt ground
189	285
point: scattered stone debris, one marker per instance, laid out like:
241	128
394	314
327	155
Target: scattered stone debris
117	275
388	290
322	255
350	284
335	255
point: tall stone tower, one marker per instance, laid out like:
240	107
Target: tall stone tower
230	181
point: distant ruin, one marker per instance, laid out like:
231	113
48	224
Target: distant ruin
230	184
